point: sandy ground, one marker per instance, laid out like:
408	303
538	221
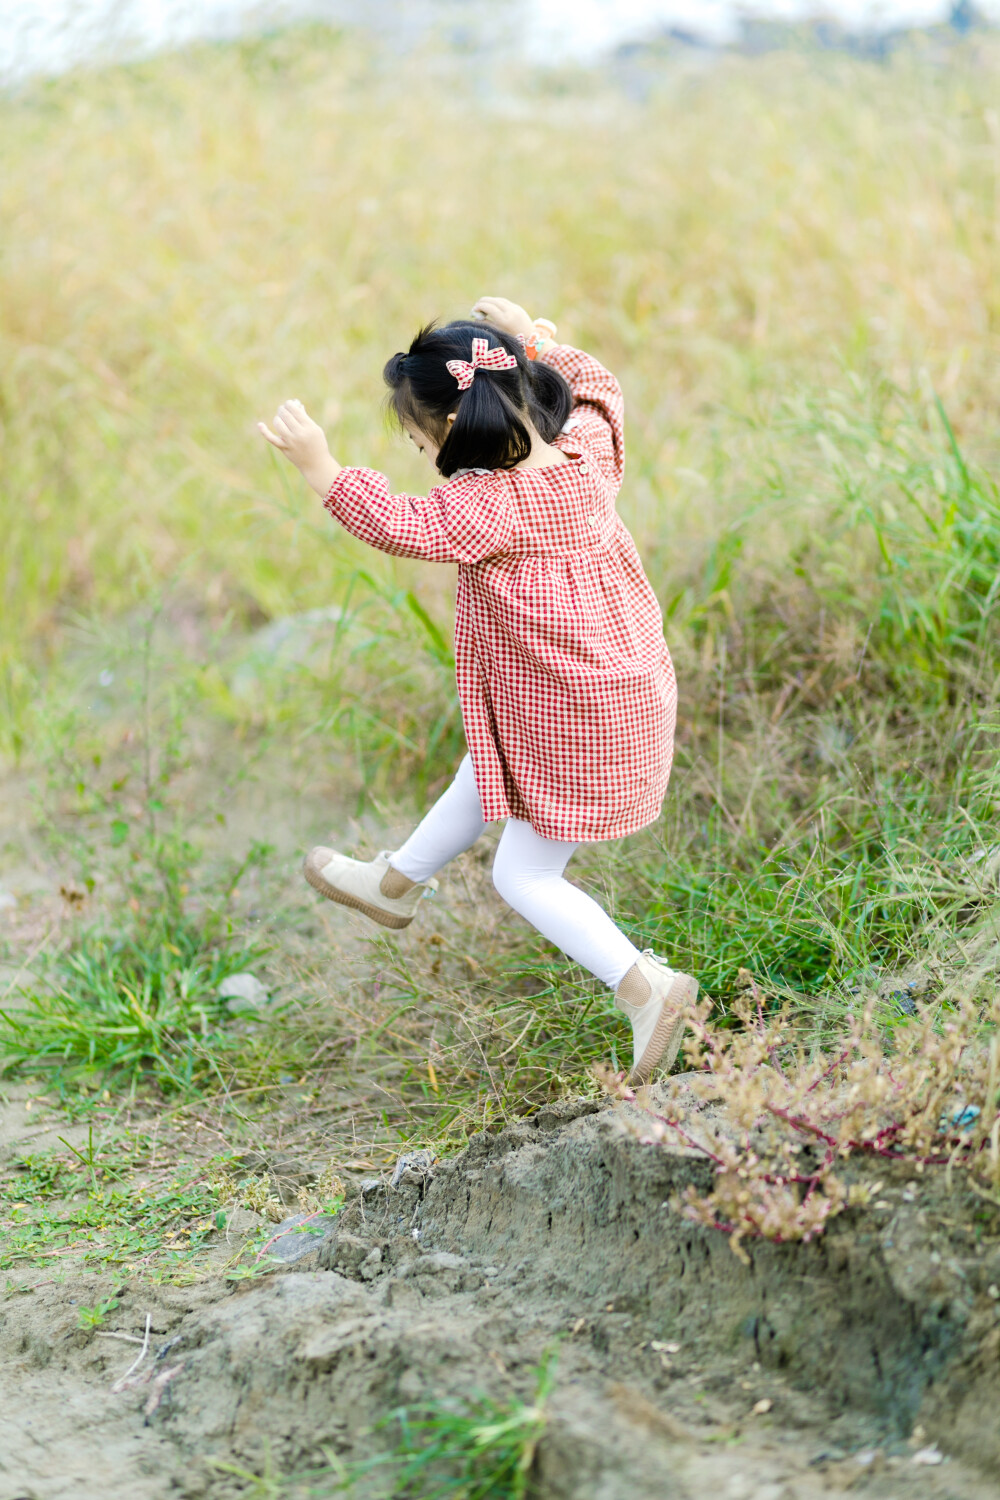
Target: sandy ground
844	1365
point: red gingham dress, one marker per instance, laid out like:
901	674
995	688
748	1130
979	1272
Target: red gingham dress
568	693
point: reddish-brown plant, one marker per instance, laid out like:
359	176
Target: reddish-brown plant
780	1125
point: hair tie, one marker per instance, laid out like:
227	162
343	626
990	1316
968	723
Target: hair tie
483	358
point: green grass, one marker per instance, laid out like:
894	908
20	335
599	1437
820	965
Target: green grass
136	1202
471	1448
477	1449
133	997
59	1211
124	1010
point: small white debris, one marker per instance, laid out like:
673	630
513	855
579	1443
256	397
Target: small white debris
662	1348
931	1455
993	1291
760	1407
243	991
106	678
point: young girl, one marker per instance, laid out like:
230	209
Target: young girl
567	690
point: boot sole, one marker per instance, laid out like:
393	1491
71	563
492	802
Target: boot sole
664	1045
343	898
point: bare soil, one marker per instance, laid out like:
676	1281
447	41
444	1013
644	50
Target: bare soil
680	1371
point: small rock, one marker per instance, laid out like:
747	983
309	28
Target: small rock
412	1168
828	1456
371	1265
296	1236
241	1221
433	1265
242	991
562	1111
283	645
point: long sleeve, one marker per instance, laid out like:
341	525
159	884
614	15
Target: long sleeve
464	520
598	407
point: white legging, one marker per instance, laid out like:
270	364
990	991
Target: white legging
527	872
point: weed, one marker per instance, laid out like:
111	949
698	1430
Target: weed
93	1317
793	1119
476	1449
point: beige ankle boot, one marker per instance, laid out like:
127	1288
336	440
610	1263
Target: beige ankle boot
369	886
655	999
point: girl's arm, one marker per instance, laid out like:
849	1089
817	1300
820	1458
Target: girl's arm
464	522
598	404
598	407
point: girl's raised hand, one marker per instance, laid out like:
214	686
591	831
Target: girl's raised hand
508	316
295	433
303	442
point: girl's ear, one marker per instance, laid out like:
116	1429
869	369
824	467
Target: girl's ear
450	418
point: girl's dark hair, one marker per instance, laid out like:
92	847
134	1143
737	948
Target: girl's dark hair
489	430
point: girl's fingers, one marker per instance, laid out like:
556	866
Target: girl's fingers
293	412
288	424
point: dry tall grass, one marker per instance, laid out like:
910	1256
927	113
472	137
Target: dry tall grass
189	239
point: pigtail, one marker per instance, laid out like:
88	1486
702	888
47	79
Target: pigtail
490	430
550	399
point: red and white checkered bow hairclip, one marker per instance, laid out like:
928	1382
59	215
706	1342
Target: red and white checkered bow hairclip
483	358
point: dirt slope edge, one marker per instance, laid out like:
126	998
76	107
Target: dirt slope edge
892	1311
557	1227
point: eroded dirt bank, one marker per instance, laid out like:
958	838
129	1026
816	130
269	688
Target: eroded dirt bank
553	1231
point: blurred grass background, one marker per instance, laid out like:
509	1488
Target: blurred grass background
752	249
790	261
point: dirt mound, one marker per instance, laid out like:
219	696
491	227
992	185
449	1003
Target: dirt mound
679	1370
